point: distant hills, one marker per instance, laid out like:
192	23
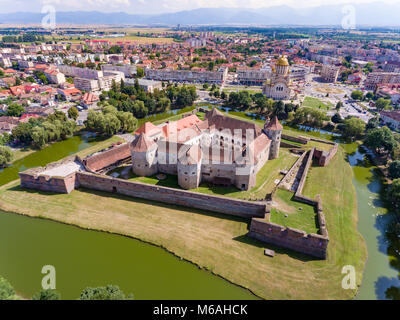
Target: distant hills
368	14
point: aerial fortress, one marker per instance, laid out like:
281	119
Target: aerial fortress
218	150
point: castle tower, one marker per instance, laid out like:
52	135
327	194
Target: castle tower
144	156
273	129
189	166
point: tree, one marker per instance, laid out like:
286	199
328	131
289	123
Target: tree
394	191
39	137
357	95
309	116
6	155
336	118
73	113
47	294
339	105
127	120
7	292
380	140
139	72
15	110
382	104
353	127
373	123
109	292
394	169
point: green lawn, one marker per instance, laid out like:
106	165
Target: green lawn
293	214
317	104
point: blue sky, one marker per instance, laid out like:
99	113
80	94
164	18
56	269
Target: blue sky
157	6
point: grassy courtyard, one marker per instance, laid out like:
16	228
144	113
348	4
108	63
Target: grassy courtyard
294	214
218	242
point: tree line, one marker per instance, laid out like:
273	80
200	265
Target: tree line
37	132
140	103
109	292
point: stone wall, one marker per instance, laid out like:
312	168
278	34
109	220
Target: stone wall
289	145
324	157
35	179
311	244
47	183
301	140
189	199
302	182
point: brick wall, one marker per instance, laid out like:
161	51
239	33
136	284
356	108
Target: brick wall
190	199
311	244
49	184
301	140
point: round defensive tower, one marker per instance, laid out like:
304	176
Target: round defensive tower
273	129
144	156
189	166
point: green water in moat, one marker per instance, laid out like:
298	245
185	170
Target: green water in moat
375	226
88	258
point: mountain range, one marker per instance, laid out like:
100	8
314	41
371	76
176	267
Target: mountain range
367	14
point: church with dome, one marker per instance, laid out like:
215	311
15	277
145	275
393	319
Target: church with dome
278	86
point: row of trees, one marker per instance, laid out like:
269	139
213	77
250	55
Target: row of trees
140	103
39	131
110	292
380	103
27	37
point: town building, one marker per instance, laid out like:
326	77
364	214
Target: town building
330	73
391	119
252	77
376	78
212	77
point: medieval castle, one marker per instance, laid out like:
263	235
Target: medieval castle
220	150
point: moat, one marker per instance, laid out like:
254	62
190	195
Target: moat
88	258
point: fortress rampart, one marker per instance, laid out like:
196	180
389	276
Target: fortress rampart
38	179
312	244
324	157
189	199
301	140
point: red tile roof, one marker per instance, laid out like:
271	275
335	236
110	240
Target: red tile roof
148	129
142	143
274	124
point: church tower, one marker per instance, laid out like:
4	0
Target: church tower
273	129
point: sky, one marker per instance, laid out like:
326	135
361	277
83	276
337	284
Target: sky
158	6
